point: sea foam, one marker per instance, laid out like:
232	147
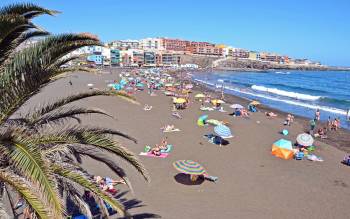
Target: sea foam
291	102
294	95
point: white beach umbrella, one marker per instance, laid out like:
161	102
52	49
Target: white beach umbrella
305	139
237	106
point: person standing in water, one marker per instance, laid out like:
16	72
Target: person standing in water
317	115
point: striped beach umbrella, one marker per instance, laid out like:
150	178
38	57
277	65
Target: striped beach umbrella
223	131
305	139
189	167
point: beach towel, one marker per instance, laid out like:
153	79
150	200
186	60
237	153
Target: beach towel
168	149
149	154
313	157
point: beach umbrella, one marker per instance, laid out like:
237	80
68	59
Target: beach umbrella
201	120
223	131
90	85
285	132
189	167
168	85
282	149
179	100
255	103
214	122
305	139
237	106
199	95
216	101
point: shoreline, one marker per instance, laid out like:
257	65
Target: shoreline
339	139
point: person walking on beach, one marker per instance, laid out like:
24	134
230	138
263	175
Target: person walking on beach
329	123
312	126
317	115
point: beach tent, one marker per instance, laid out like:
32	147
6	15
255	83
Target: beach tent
237	106
305	139
223	131
202	120
199	95
283	149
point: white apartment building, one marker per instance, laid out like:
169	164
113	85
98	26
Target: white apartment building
125	44
151	44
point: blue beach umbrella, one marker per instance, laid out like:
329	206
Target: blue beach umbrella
285	132
223	131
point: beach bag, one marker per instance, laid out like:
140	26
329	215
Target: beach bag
346	160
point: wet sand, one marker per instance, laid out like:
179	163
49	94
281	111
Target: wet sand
252	183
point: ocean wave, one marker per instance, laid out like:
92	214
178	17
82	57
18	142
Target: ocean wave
295	87
282	72
294	95
291	102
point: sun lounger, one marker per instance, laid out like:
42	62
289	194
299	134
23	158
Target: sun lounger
149	154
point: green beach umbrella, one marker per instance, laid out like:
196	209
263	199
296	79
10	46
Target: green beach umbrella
189	167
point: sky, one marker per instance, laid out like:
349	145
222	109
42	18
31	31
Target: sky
314	29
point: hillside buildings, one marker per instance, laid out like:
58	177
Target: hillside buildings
168	52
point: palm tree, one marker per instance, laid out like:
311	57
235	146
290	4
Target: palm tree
40	156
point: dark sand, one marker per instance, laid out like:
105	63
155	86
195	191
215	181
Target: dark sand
252	183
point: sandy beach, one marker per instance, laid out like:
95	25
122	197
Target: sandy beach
252	183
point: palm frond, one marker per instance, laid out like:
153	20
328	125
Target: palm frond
83	181
94	154
27	158
65	114
28	70
27	191
70	99
94	138
27	10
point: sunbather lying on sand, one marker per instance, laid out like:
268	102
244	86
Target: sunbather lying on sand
147	107
270	114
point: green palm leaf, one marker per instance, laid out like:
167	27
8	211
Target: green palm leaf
27	191
83	181
27	158
27	10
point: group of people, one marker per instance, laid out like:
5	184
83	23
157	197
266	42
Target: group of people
158	148
240	112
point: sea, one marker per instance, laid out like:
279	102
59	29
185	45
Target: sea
297	92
